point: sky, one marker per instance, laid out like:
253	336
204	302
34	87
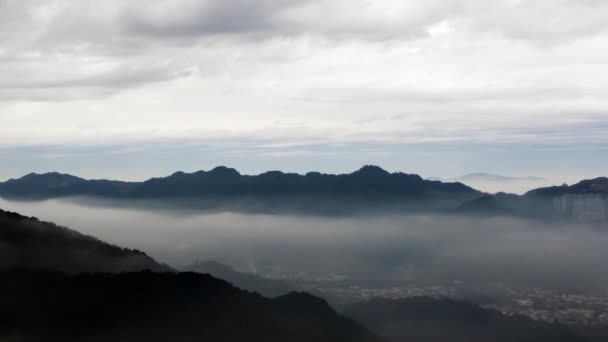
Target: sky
130	89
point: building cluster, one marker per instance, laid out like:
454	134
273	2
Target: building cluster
357	293
553	306
588	207
570	316
539	304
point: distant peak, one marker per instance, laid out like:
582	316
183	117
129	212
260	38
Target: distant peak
272	173
34	174
224	171
372	169
53	175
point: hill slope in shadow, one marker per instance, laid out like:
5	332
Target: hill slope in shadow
60	285
29	243
146	306
264	286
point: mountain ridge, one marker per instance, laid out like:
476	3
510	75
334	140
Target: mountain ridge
267	287
58	180
598	185
26	242
366	189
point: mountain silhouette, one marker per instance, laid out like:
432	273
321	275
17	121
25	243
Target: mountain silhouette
147	306
369	180
246	281
32	244
486	205
368	188
60	285
589	186
53	184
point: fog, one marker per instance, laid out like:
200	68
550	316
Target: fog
390	249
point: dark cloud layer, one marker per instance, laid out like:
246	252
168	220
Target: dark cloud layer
199	18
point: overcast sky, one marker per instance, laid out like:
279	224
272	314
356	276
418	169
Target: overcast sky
132	89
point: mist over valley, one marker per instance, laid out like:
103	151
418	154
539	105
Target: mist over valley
369	249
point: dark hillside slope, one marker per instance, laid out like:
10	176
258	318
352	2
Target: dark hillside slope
264	286
46	306
32	244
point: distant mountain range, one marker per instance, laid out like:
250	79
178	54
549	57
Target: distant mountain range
367	181
53	184
368	189
365	189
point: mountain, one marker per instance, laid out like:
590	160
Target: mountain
369	181
266	287
589	186
586	200
32	244
60	285
55	184
368	188
487	205
444	320
146	306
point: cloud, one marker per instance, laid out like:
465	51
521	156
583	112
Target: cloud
385	249
358	19
188	18
502	71
58	23
544	21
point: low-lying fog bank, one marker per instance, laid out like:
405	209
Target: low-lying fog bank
376	249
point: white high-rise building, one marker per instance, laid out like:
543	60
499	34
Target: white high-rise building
592	207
